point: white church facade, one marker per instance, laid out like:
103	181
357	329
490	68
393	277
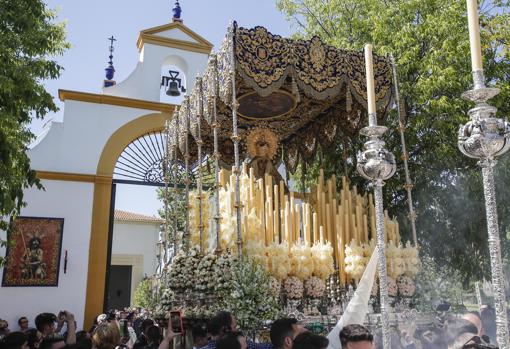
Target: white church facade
75	161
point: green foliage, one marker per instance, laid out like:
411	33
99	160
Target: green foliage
143	296
249	295
430	42
29	38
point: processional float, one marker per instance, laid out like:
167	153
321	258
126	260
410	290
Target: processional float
265	103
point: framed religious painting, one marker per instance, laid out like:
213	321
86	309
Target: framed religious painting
33	252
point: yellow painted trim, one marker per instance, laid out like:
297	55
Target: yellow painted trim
63	176
98	249
177	25
98	252
115	100
174	43
73	177
121	138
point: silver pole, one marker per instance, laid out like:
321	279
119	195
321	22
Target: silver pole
235	139
377	164
166	166
383	274
498	283
216	155
186	164
486	137
175	196
405	156
199	142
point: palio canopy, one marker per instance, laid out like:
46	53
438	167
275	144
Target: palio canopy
296	94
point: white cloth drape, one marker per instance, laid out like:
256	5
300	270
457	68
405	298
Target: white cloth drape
357	308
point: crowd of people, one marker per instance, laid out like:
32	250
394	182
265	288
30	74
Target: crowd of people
136	330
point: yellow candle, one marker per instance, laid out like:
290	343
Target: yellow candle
369	68
474	35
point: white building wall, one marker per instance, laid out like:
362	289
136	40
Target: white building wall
75	145
73	202
132	238
134	244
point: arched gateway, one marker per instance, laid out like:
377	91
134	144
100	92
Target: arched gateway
75	161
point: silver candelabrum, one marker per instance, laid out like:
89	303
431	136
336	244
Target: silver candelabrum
377	164
485	137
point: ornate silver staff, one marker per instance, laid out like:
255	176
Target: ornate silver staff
176	191
235	140
486	137
187	181
216	154
377	164
199	142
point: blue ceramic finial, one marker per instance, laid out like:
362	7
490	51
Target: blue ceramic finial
110	70
177	10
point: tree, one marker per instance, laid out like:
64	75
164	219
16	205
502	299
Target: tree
29	39
429	40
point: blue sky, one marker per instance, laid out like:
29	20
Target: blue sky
91	22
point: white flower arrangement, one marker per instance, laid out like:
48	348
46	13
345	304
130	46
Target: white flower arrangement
406	286
322	255
205	276
399	260
256	250
178	273
223	271
279	262
315	287
293	287
355	260
275	285
392	287
301	261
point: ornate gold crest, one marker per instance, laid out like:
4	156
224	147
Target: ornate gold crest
317	54
262	136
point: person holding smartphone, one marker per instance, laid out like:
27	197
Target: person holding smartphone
168	338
